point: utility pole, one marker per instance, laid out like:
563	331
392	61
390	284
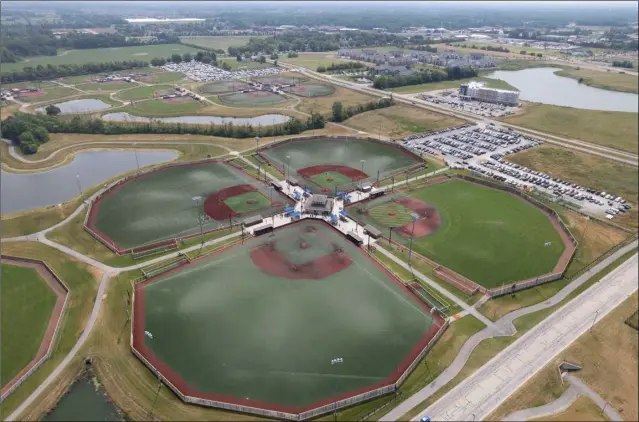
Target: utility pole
157	394
410	250
390	236
199	219
593	321
77	179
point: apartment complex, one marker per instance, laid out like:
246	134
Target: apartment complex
477	91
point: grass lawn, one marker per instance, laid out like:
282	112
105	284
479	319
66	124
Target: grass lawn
611	80
164	77
143	92
51	94
313	60
323	105
583	409
399	121
608	128
82	283
101	55
434	86
159	108
247	202
218	42
244	64
328	179
108	87
27	303
608	355
586	170
482	235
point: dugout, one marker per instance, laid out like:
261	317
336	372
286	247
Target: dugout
366	188
262	230
277	185
377	194
292	181
251	221
354	237
372	231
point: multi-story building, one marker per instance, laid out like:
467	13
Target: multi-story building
478	92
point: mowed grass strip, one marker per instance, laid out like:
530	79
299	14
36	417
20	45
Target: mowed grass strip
98	86
329	179
487	235
391	214
219	42
27	303
143	92
247	202
607	128
159	108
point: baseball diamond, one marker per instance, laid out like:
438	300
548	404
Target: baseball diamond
361	160
167	202
257	324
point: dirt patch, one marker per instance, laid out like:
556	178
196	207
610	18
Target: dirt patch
56	314
392	213
215	207
178	100
273	262
354	174
40	93
162	92
429	219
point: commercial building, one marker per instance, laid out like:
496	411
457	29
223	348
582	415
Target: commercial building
477	91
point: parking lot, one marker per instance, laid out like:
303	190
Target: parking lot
451	100
482	149
202	72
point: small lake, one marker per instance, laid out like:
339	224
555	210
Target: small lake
19	192
541	85
80	106
264	120
84	402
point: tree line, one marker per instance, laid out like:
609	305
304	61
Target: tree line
29	131
424	77
625	63
340	66
340	113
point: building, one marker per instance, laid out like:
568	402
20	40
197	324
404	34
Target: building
478	92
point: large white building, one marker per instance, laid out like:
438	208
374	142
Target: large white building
477	91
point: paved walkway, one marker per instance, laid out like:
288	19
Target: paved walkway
505	327
478	395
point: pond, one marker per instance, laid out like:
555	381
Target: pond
542	85
80	106
84	401
264	120
20	192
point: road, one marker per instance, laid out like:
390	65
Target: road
505	326
478	395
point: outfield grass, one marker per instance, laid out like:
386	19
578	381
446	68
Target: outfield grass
52	94
434	86
247	202
244	64
313	60
399	121
391	214
109	87
101	55
607	128
27	303
82	283
164	77
336	179
159	108
219	42
143	92
483	237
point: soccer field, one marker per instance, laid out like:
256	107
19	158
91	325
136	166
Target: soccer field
27	304
486	235
378	158
228	329
160	205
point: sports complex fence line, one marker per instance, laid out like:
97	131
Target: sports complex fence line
168	244
54	338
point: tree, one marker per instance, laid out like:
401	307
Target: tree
52	110
226	66
539	55
274	56
275	63
262	59
338	111
187	57
321	69
40	134
28	143
238	57
176	58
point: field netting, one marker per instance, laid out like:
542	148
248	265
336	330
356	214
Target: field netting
168	203
226	328
380	159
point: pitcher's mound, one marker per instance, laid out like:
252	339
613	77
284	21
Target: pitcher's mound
392	213
303	245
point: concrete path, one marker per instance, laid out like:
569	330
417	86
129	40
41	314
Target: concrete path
478	395
584	389
505	327
104	281
557	406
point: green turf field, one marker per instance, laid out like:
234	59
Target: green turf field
158	108
247	202
164	77
223	86
96	86
102	55
227	327
51	93
27	303
312	90
251	98
329	179
378	157
160	205
390	214
143	92
487	235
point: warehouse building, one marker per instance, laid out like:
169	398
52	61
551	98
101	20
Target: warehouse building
478	92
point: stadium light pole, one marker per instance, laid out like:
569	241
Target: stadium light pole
199	219
288	160
410	250
257	144
77	179
361	183
336	361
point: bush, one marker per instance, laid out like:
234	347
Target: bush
52	110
